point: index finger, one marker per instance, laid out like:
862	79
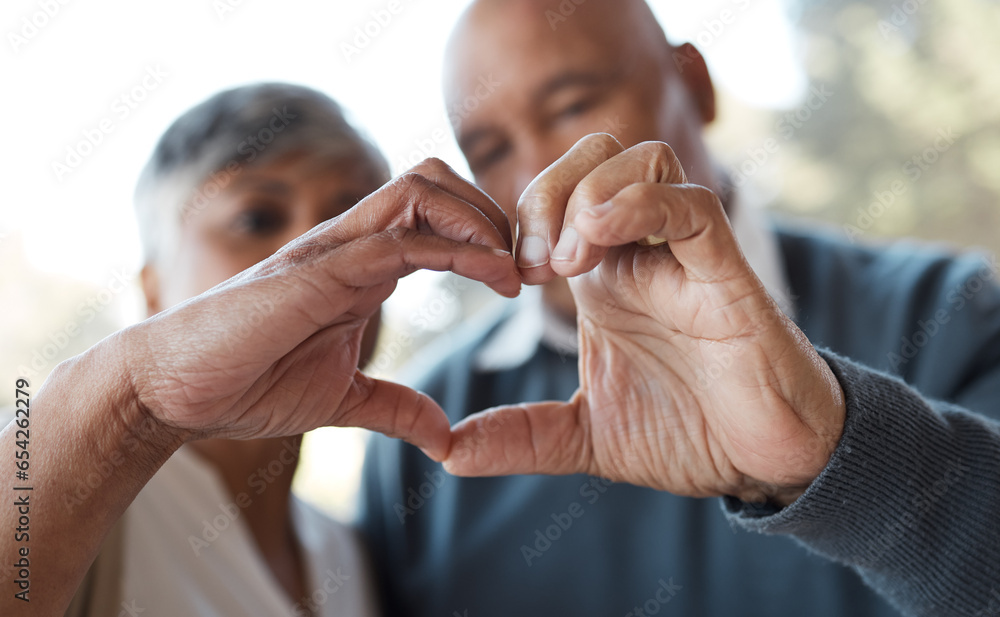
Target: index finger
650	162
542	208
430	198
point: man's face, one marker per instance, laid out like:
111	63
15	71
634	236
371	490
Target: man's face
261	210
550	88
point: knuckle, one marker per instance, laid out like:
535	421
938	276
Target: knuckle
656	150
434	166
589	192
707	199
398	241
413	190
412	181
397	235
604	143
662	159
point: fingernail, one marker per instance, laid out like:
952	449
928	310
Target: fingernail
599	210
566	247
534	252
501	253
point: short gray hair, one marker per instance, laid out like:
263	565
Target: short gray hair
233	129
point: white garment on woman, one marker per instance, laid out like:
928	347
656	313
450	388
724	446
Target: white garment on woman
188	551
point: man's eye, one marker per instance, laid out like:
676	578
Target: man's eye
259	221
482	162
575	109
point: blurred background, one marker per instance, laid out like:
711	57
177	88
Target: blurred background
877	118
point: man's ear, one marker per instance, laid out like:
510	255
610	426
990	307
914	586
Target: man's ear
693	71
150	279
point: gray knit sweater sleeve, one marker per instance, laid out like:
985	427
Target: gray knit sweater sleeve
910	499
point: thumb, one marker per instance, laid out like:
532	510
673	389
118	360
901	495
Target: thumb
534	438
397	411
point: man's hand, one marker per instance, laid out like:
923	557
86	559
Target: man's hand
274	350
692	380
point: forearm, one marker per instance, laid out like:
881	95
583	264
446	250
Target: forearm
91	449
909	499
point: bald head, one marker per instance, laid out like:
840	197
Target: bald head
622	22
526	79
624	31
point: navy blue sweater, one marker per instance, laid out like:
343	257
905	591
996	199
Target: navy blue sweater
905	519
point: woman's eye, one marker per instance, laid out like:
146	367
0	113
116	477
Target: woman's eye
259	221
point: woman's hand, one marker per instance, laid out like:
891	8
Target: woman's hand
274	350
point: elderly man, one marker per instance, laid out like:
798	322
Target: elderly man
684	372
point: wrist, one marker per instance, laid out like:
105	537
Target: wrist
820	408
92	450
756	492
110	419
802	466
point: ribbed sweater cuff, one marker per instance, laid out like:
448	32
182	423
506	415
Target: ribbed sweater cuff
907	489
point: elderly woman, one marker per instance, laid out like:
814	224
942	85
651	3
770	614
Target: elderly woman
217	529
261	309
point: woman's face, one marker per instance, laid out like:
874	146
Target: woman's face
261	209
